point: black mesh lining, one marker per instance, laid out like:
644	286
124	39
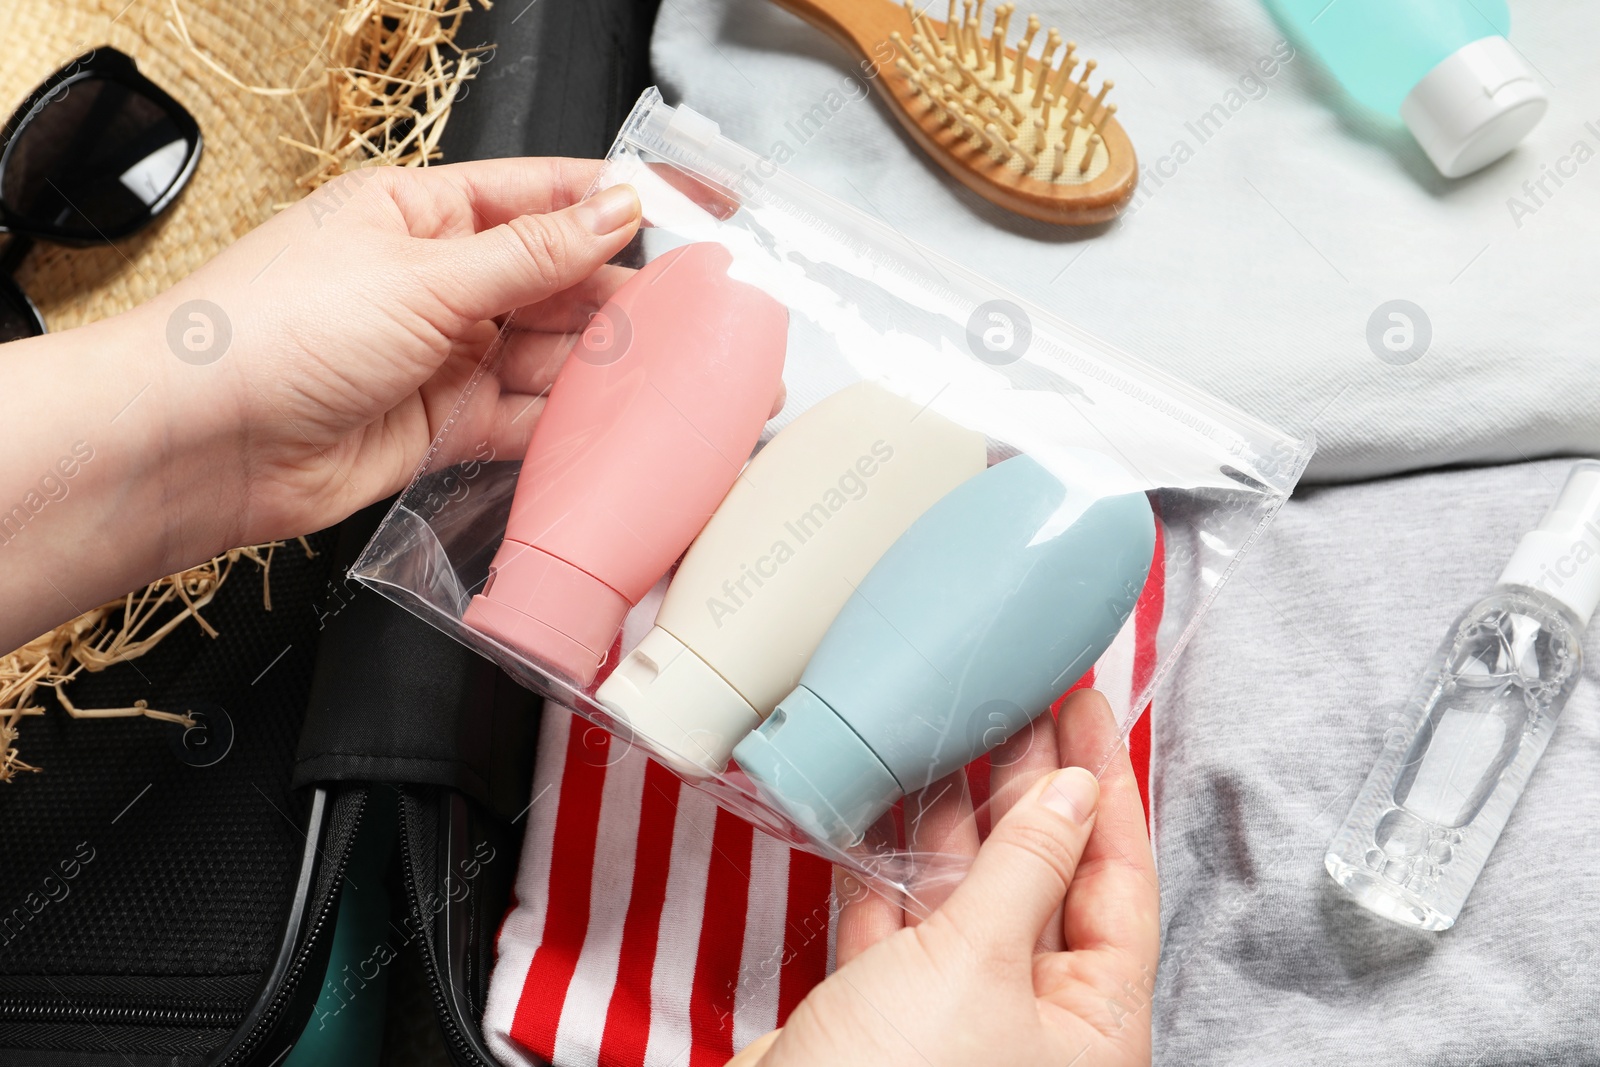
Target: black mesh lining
191	868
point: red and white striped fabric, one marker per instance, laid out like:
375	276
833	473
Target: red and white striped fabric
653	929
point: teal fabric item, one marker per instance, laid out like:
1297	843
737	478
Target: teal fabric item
993	603
347	1025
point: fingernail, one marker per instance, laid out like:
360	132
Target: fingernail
609	211
1072	794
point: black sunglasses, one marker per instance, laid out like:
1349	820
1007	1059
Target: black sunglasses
92	156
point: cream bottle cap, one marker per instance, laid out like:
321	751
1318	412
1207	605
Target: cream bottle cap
688	714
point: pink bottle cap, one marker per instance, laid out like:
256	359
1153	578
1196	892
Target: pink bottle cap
548	610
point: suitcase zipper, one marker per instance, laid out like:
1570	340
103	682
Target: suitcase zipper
39	1009
461	1049
42	1009
291	981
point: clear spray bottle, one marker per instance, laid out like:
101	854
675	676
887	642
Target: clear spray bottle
1435	803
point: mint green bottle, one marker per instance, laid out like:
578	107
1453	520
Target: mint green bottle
1442	66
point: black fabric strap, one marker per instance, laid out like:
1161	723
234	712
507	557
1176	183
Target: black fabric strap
394	700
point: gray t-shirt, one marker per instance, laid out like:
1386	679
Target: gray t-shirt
1269	725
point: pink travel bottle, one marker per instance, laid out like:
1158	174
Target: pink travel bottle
646	428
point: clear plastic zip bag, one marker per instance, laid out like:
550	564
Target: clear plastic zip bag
823	521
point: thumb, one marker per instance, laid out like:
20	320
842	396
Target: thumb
530	257
1021	875
754	1052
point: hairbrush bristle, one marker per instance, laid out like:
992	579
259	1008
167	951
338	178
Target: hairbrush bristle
1002	100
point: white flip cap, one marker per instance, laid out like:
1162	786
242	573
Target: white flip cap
1474	107
686	712
1562	557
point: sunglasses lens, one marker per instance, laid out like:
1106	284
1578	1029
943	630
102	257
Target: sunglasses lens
94	160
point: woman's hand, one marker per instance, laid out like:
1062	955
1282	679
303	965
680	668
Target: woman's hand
359	314
1045	954
296	377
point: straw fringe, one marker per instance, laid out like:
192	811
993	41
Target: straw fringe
388	73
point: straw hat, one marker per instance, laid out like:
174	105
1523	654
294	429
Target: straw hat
244	168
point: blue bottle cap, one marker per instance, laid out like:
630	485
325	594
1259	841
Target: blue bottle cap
806	762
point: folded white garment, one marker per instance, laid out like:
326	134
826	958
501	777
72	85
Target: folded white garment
1272	223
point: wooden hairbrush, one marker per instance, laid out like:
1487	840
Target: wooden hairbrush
1016	129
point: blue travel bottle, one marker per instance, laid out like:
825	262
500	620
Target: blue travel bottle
1443	66
983	612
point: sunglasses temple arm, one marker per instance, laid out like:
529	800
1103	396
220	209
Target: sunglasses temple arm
15	251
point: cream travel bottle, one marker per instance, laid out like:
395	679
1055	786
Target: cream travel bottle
646	427
1433	807
797	533
983	612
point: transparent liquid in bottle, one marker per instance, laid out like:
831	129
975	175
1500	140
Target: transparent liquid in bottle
1450	773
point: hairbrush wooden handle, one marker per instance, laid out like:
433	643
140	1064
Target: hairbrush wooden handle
1018	130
